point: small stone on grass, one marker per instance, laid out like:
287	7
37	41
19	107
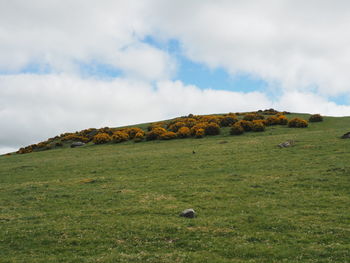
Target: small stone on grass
189	213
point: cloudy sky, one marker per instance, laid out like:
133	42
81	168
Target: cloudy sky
70	65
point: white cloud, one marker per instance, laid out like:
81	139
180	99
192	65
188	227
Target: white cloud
185	99
144	62
299	44
4	150
60	34
308	102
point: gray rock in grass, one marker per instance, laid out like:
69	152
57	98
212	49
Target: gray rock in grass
189	213
346	136
286	144
77	144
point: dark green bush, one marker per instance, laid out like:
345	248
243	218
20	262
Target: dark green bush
315	118
272	120
236	129
139	136
246	125
258	126
212	129
228	120
155	133
282	120
253	116
176	126
132	131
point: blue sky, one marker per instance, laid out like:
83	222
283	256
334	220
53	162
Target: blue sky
204	77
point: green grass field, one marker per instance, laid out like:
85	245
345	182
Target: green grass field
120	202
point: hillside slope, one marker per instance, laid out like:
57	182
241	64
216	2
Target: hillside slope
120	202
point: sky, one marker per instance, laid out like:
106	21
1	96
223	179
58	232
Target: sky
71	65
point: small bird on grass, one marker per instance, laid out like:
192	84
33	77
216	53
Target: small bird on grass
193	152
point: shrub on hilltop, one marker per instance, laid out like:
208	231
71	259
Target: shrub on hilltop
176	126
101	138
190	122
297	123
88	133
107	130
253	116
236	129
272	120
24	150
169	135
258	126
246	125
133	131
120	136
197	126
155	133
210	119
200	133
156	125
76	138
269	112
315	118
42	145
184	132
139	136
228	120
212	129
282	120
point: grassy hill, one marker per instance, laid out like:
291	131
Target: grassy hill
256	202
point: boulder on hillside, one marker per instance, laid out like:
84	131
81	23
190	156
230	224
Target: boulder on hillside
190	213
346	136
77	144
286	144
